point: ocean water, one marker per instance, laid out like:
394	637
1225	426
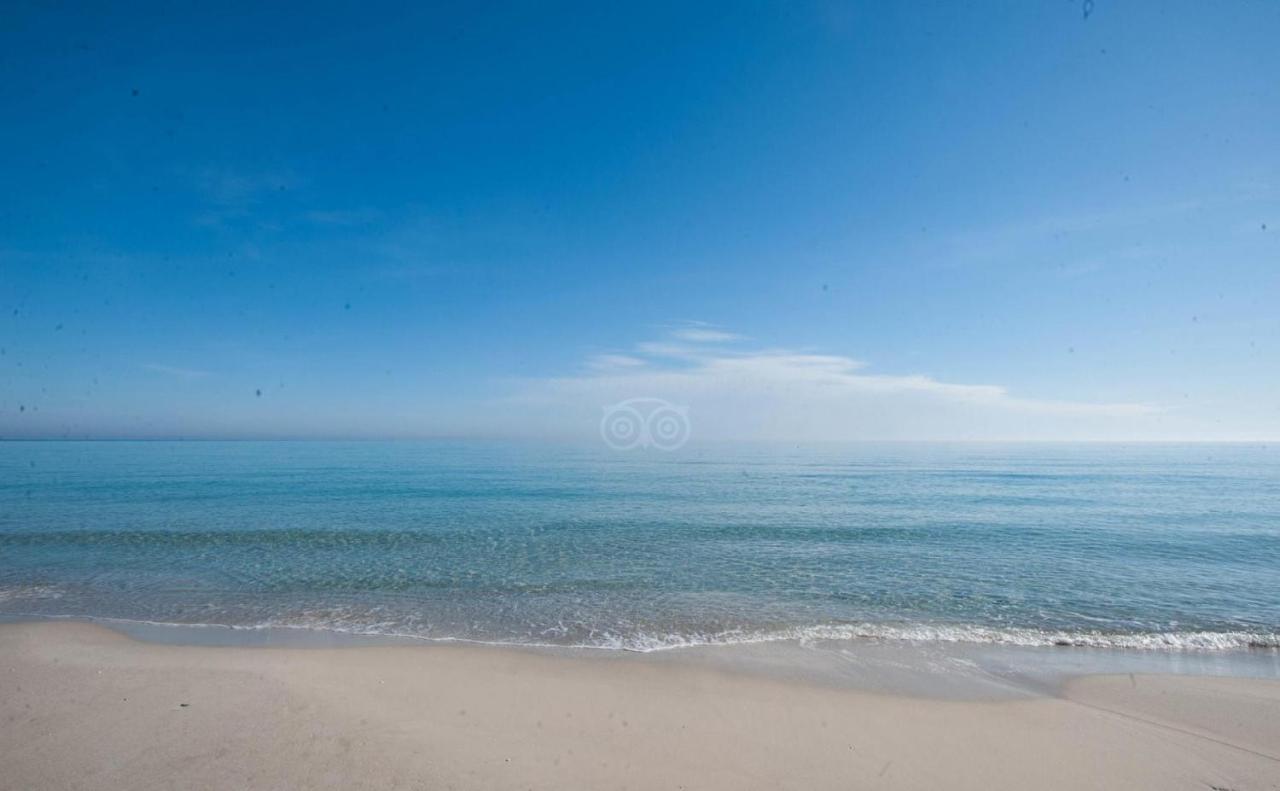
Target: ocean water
1136	547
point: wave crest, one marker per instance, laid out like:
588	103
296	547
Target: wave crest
970	634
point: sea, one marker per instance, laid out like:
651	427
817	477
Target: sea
1140	549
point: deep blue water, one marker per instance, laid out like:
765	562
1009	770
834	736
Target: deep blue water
1132	546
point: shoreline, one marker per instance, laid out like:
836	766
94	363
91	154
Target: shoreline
86	706
943	669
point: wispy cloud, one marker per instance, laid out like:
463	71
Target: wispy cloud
613	362
225	187
232	196
175	371
769	393
343	217
702	332
1106	237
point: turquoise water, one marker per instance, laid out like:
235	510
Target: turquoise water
1147	546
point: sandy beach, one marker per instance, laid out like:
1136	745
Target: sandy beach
84	707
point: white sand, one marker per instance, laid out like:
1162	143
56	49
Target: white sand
84	707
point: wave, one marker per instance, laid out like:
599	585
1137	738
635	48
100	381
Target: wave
811	636
970	634
1166	641
25	592
377	621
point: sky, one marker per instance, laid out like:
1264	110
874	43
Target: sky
791	221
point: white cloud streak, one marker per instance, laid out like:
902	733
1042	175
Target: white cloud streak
780	394
175	371
705	335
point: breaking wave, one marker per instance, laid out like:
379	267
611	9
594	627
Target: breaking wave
648	642
923	633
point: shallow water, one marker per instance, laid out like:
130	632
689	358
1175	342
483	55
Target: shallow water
1138	547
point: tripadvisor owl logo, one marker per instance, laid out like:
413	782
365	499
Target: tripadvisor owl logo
645	423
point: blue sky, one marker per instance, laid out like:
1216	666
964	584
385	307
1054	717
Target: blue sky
801	221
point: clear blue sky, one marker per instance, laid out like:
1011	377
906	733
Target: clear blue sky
826	220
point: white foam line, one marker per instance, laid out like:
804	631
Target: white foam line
643	643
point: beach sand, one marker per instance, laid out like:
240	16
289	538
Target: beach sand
84	707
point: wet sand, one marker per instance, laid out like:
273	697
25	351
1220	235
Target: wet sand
85	707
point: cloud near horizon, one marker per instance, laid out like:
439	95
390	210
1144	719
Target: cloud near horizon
733	391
